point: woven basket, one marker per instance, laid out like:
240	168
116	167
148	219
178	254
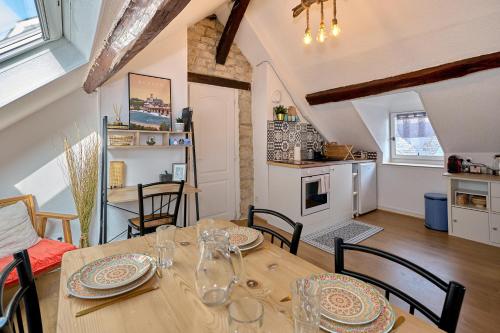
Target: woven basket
478	201
121	140
116	174
462	199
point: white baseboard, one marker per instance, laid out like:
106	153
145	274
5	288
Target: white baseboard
402	212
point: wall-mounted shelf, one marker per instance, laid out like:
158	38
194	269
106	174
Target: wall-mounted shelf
149	147
163	139
144	131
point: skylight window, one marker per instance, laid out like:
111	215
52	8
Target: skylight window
23	25
413	138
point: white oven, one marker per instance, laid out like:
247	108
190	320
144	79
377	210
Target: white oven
315	196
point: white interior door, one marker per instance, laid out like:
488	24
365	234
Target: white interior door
214	117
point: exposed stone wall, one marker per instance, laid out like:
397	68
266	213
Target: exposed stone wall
202	43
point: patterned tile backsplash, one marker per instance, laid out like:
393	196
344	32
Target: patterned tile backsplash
283	136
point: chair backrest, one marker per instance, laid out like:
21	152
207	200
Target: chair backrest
454	291
297	228
161	202
11	316
30	205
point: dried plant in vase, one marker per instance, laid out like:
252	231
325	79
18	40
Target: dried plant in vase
117	124
81	169
117	110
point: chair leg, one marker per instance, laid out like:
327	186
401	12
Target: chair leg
68	238
129	232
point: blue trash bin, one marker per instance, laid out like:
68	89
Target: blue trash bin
436	211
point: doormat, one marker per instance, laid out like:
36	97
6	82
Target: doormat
351	232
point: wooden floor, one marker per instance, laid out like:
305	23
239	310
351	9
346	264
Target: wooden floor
474	265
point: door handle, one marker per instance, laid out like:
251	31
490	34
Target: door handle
495	229
455	221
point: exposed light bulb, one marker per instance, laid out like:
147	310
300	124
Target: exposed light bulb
307	37
335	28
321	33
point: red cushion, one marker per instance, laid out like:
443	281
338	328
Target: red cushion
44	256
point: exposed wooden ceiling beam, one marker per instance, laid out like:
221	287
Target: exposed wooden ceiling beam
141	21
297	10
230	30
424	76
219	81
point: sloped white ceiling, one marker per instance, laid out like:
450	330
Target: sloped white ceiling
385	38
79	29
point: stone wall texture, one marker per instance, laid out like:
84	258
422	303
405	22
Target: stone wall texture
202	44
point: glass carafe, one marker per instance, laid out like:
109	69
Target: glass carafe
219	267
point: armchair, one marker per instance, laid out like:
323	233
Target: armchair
47	254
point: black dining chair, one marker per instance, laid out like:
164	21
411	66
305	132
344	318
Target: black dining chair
164	208
11	319
293	245
454	291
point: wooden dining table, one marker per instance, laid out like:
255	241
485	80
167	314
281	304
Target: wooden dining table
175	306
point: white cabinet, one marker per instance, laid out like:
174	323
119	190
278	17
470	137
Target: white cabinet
341	184
470	224
495	204
477	221
495	190
495	228
367	187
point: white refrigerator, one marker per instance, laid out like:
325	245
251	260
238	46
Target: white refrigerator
367	187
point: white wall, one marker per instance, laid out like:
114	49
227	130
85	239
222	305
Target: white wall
376	44
167	58
32	148
32	154
401	189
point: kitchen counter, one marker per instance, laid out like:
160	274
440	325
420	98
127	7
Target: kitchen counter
473	176
312	164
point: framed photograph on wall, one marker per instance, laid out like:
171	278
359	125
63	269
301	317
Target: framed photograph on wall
179	172
150	103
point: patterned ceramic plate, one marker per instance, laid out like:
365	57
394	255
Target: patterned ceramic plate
114	271
347	300
383	323
241	236
257	242
77	289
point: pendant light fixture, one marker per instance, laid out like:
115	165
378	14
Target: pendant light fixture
322	27
322	35
307	34
335	24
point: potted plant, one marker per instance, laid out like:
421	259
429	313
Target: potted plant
179	125
280	111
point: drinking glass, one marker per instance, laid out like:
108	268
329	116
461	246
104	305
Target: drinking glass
165	245
245	315
306	305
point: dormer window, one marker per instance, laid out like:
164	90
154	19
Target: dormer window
25	24
413	139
